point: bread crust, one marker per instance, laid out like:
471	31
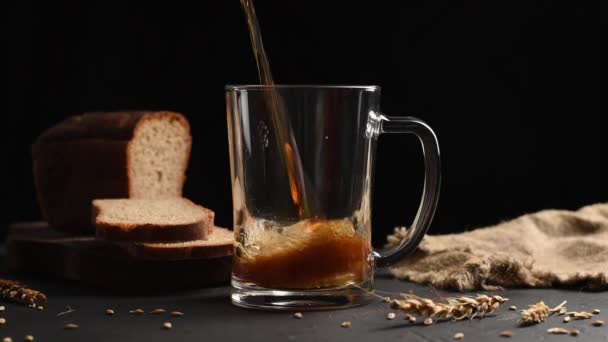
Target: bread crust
87	157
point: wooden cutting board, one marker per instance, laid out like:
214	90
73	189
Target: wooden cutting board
34	248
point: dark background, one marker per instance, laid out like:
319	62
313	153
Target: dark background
515	92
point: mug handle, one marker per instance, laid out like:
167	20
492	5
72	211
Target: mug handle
430	192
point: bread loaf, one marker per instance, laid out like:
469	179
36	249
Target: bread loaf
156	220
108	155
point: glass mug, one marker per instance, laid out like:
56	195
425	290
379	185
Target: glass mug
301	161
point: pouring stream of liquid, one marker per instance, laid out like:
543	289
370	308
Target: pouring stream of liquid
282	128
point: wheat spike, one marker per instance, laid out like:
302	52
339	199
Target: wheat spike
538	313
17	292
456	308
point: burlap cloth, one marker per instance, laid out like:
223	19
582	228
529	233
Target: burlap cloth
551	248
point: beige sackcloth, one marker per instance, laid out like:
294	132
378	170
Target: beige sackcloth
551	248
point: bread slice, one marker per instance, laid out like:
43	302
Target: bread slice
159	220
129	154
218	244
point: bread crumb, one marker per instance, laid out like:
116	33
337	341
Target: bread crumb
428	321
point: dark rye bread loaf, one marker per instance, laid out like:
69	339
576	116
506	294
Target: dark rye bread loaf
156	220
134	154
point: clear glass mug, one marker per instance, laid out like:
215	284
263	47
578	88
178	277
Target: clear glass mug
301	161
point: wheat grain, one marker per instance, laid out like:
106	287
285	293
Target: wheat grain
506	333
558	331
579	315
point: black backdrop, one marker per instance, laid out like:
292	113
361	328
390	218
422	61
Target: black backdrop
515	92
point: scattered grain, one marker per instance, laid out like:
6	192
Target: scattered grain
558	331
157	311
29	338
574	332
386	299
595	312
40	308
597	323
2	321
345	324
567	319
167	325
70	326
2	308
109	312
137	312
428	321
390	315
579	315
458	336
297	315
177	313
7	339
506	333
512	307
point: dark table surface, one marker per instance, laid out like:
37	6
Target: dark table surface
209	316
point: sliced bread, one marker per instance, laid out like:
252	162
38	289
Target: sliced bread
218	244
157	220
129	154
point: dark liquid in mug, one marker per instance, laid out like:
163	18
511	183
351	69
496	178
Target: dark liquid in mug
308	255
